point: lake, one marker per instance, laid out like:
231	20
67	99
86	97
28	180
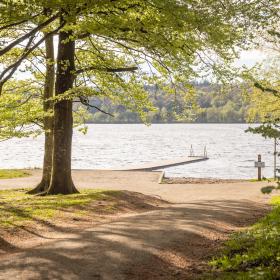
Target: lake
232	152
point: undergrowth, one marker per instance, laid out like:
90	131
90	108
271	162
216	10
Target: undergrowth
254	253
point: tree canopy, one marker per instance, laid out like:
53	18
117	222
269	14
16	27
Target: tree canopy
112	48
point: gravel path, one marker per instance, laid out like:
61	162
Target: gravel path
171	243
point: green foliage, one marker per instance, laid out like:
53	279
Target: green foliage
221	106
17	207
254	253
264	99
266	130
13	173
207	105
269	189
264	107
138	35
20	109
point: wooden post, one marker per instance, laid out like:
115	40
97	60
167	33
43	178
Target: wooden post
259	168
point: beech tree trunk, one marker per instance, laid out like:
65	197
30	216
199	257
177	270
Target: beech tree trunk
48	120
61	179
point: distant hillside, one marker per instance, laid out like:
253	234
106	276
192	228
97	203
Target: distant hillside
215	107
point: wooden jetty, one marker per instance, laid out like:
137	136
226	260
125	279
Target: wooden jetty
163	164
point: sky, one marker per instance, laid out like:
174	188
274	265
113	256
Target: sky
250	58
247	58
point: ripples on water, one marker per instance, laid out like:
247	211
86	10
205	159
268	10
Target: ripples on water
232	152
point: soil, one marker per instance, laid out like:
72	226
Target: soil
145	238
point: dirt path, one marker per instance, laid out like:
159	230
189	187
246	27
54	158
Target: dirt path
171	243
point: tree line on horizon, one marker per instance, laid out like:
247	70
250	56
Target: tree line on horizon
213	106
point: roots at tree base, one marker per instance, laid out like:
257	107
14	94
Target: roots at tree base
44	188
40	188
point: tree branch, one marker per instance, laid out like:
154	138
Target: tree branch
85	102
18	22
20	104
109	70
27	35
83	35
13	67
264	89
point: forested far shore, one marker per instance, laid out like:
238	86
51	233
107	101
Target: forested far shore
214	107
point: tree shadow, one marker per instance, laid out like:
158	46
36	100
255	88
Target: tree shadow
6	246
168	243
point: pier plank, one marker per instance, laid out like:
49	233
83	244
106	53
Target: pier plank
162	164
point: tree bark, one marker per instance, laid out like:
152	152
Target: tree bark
48	120
61	179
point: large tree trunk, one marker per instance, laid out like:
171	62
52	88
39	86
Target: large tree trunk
48	120
61	180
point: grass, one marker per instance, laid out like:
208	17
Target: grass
13	173
18	208
252	254
262	180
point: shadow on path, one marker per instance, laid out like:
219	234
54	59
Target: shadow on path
171	243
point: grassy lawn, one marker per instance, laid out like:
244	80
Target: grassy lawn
13	173
252	254
18	208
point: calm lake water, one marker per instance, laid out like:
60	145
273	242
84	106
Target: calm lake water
232	152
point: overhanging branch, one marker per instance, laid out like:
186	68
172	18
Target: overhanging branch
85	102
109	70
13	67
18	22
27	35
266	89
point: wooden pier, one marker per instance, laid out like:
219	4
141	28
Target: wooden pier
163	164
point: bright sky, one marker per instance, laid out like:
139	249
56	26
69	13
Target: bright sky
247	59
250	58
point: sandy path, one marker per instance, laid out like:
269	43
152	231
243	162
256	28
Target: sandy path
171	243
147	183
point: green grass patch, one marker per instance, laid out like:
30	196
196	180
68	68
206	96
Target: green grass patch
17	207
13	173
263	180
254	253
